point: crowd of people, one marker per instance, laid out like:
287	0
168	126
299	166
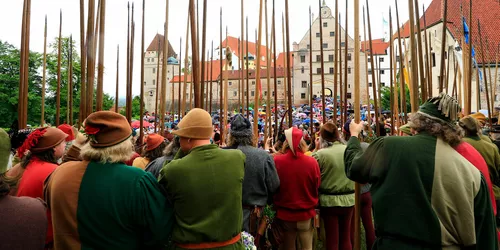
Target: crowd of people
434	185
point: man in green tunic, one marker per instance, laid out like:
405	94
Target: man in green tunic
425	194
205	184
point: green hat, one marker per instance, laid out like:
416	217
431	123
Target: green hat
4	150
443	107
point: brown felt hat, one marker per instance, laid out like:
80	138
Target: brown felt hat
470	124
50	139
329	132
197	124
106	129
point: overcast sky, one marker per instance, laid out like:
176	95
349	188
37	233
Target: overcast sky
116	24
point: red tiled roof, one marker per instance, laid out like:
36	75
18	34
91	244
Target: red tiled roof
486	11
280	61
379	46
233	42
213	68
236	74
158	39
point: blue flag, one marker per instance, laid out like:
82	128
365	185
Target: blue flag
466	30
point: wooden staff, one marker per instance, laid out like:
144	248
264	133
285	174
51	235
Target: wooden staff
131	72
203	47
221	115
179	90
267	131
117	77
248	74
207	95
186	70
275	75
157	83
70	82
225	88
42	119
211	75
375	97
141	123
401	70
58	91
443	46
414	62
396	92
390	72
336	55
357	116
288	68
172	87
311	102
257	75
468	68
496	74
484	72
241	104
128	102
100	64
83	63
240	75
423	86
368	108
90	59
163	98
345	61
341	87
24	66
490	80
323	102
428	66
194	55
446	83
285	79
455	69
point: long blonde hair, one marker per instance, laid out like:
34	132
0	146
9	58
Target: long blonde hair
302	145
115	154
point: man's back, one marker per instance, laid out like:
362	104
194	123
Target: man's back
425	194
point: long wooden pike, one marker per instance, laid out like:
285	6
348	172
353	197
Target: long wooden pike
90	58
485	77
132	49
267	130
100	65
257	74
402	84
374	85
117	88
194	56
288	67
341	87
172	87
468	73
20	112
492	100
221	112
275	75
42	119
336	55
211	76
141	115
240	75
203	47
447	80
58	91
179	90
414	62
455	69
357	119
428	66
443	46
69	119
368	108
157	83
391	58
83	64
186	65
226	81
311	102
423	85
206	96
285	79
346	52
247	72
496	74
323	102
163	98
241	96
128	102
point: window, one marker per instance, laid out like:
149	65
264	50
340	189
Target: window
265	93
342	44
369	59
370	84
302	95
273	93
318	34
433	59
230	83
149	60
253	93
348	56
302	59
332	33
187	95
154	82
318	71
349	86
325	25
235	93
279	82
330	58
302	70
304	84
325	45
154	71
144	83
253	83
153	59
382	84
349	70
318	58
331	71
397	58
349	95
381	59
151	93
308	46
382	72
369	72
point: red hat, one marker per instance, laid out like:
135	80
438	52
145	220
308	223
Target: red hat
153	141
68	130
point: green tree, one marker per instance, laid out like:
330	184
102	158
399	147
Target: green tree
385	93
136	108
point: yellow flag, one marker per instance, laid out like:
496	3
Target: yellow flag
407	80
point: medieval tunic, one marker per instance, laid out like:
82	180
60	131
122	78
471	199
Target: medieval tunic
107	206
429	197
206	189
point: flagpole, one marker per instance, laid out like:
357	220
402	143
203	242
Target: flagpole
58	91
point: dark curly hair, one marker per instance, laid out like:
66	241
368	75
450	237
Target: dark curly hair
155	153
449	133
